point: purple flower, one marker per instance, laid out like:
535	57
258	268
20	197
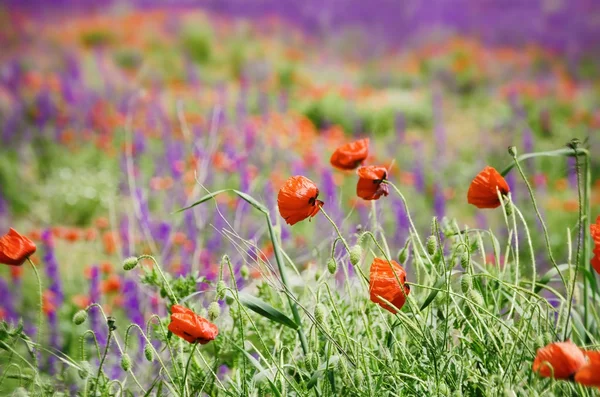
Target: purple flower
6	299
97	323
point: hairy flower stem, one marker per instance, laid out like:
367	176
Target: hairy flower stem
167	285
41	304
284	280
106	348
580	236
187	367
539	215
337	230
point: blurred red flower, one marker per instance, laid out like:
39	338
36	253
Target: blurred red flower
387	281
350	155
483	190
15	248
370	184
111	284
188	325
559	360
589	374
297	200
595	233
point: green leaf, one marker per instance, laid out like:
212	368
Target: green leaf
251	200
438	285
266	310
204	199
319	372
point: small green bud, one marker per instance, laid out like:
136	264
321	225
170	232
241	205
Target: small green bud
476	297
331	265
311	361
85	369
130	263
80	317
244	272
214	311
320	313
432	245
433	225
110	321
355	254
229	300
466	283
512	150
221	289
125	362
403	255
149	352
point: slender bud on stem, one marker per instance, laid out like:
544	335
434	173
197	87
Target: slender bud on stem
130	263
355	254
80	317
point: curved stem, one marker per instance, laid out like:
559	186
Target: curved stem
187	367
552	153
41	304
539	215
168	286
108	340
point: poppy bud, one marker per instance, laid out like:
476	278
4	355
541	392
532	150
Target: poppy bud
466	283
433	225
432	245
221	288
320	313
130	263
214	311
331	265
311	361
125	362
229	300
80	317
85	369
148	352
512	150
244	272
355	254
403	255
476	297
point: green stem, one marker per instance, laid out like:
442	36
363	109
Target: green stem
168	286
108	340
337	230
577	256
284	280
539	215
41	304
553	153
187	368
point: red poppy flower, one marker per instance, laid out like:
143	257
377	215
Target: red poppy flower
48	302
15	248
297	200
188	325
595	233
350	155
483	190
559	360
384	284
370	182
589	374
111	284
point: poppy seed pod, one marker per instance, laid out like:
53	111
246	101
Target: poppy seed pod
130	263
355	254
80	317
125	362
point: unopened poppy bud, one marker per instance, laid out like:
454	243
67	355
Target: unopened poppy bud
85	369
229	299
244	272
512	150
149	352
432	245
466	283
433	225
221	288
80	317
331	265
355	254
320	313
130	263
403	255
214	311
311	361
476	297
125	362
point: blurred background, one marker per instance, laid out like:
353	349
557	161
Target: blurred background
113	117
